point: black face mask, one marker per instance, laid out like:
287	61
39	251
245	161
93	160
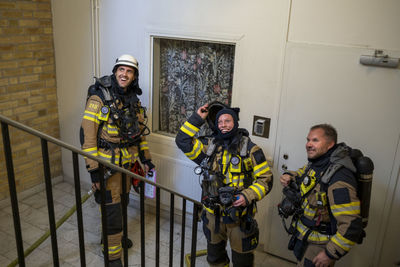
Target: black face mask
226	136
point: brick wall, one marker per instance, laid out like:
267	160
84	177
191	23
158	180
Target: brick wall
28	88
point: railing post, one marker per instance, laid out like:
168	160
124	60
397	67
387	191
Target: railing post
183	231
78	201
103	214
13	193
124	203
157	226
142	228
50	203
171	229
194	234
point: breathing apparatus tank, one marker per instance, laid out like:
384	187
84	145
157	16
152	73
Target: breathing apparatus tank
365	169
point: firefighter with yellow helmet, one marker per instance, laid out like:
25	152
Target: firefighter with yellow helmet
235	176
113	128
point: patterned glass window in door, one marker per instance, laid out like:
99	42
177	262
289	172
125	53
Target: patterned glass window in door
190	74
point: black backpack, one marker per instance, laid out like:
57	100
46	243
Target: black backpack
364	174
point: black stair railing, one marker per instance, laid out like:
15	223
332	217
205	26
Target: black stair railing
6	122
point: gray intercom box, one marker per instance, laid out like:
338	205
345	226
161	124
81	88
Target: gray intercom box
261	126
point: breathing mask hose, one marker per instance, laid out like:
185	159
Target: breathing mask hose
284	225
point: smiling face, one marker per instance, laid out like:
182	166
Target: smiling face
125	75
317	143
225	123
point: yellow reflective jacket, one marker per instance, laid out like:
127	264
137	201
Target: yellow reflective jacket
94	117
253	164
334	204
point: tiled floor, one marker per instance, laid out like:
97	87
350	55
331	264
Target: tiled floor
34	223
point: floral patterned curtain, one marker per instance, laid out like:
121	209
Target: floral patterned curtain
192	73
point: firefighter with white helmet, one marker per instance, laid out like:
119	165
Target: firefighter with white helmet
113	128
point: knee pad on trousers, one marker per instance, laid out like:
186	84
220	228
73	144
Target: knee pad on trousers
97	196
114	218
216	253
242	259
206	231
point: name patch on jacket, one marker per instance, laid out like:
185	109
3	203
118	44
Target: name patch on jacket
341	196
93	106
259	157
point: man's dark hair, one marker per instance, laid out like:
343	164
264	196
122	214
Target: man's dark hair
329	130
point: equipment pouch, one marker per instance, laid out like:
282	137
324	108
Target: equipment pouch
321	199
248	164
248	225
299	248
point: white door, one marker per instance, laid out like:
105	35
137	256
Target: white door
326	84
389	253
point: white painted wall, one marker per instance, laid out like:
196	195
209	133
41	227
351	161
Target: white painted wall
260	29
73	52
359	23
260	26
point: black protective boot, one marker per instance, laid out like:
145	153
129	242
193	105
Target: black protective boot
115	263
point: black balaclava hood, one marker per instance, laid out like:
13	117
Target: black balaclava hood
234	113
323	161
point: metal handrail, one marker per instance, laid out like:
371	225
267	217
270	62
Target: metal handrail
88	155
5	122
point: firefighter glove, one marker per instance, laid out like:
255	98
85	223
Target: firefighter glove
95	176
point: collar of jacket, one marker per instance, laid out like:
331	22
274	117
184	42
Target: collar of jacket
232	143
338	154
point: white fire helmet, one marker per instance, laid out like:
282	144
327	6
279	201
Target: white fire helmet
126	60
